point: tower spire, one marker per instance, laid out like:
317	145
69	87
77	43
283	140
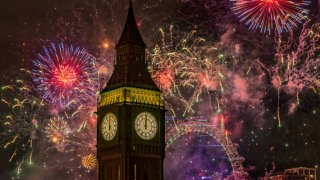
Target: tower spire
131	69
130	34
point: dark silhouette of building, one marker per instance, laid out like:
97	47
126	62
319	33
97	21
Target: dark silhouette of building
130	139
300	173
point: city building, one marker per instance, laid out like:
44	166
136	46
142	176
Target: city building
300	173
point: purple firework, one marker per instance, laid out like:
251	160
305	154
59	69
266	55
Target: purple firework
65	75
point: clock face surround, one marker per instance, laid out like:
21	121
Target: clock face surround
109	126
146	125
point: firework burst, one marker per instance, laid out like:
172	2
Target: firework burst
89	162
185	71
57	132
266	15
65	76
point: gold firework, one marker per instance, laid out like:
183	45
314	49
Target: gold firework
89	161
57	130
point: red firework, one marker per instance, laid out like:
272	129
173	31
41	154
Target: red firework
267	15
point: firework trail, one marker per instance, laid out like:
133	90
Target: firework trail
200	79
65	76
297	64
266	15
20	122
185	71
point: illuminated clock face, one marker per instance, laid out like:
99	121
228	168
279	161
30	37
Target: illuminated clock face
146	125
109	127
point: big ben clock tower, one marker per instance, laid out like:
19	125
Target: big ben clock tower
130	139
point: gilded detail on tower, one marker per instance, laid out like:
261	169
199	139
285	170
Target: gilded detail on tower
131	95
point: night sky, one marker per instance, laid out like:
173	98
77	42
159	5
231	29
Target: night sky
251	101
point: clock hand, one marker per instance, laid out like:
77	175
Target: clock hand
145	123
